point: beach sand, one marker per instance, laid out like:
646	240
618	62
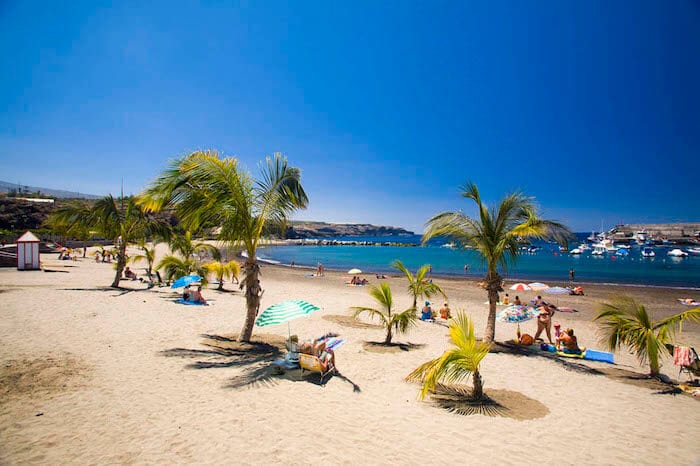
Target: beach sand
94	375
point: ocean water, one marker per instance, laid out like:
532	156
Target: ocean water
548	264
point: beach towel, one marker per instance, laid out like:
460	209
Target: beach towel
190	303
682	356
688	302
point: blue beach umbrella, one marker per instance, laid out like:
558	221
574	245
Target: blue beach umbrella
186	280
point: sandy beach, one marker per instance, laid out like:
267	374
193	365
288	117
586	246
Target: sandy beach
95	375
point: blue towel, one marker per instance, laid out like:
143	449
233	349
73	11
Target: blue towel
602	356
189	303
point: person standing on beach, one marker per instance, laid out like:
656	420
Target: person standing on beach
466	268
571	274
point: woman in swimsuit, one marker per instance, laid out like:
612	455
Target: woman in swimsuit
544	321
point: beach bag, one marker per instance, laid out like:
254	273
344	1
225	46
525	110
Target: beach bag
526	339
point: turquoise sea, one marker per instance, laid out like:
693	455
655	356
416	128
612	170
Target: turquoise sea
548	264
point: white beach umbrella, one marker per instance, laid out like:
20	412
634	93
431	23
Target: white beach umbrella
520	287
354	271
537	286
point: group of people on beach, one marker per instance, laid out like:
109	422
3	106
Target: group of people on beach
564	341
356	280
193	295
427	313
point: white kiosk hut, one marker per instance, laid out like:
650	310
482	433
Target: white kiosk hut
28	252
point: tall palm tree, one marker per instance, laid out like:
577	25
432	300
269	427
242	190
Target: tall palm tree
223	270
206	189
400	322
494	234
120	219
625	321
456	363
419	285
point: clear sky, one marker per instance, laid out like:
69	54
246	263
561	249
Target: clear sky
387	107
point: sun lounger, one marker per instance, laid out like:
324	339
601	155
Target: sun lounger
313	364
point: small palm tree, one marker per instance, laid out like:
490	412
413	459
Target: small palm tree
149	255
494	234
419	285
625	321
176	267
223	270
400	322
456	363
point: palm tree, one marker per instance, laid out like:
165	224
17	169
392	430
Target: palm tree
176	267
184	246
223	270
456	363
123	220
494	234
625	321
205	189
149	255
419	285
400	322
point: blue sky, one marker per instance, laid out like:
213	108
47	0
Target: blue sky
387	107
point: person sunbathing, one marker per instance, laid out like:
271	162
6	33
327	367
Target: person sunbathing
326	356
128	273
197	296
517	302
569	342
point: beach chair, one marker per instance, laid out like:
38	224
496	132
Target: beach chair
313	364
687	359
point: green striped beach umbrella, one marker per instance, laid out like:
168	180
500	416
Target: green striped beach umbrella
284	312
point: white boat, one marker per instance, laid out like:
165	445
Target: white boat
584	247
575	251
694	251
624	246
598	250
676	253
648	252
640	236
448	245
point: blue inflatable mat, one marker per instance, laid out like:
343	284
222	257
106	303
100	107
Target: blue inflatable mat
602	356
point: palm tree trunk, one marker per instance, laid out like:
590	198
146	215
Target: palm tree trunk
121	262
387	340
478	392
493	283
252	296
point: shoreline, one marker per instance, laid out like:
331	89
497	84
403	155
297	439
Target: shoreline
475	279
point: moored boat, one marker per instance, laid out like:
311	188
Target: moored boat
648	252
676	253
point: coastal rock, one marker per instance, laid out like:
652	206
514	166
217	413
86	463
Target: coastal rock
299	230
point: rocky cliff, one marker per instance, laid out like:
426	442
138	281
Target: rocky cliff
299	229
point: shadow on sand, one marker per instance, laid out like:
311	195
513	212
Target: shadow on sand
254	358
660	387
